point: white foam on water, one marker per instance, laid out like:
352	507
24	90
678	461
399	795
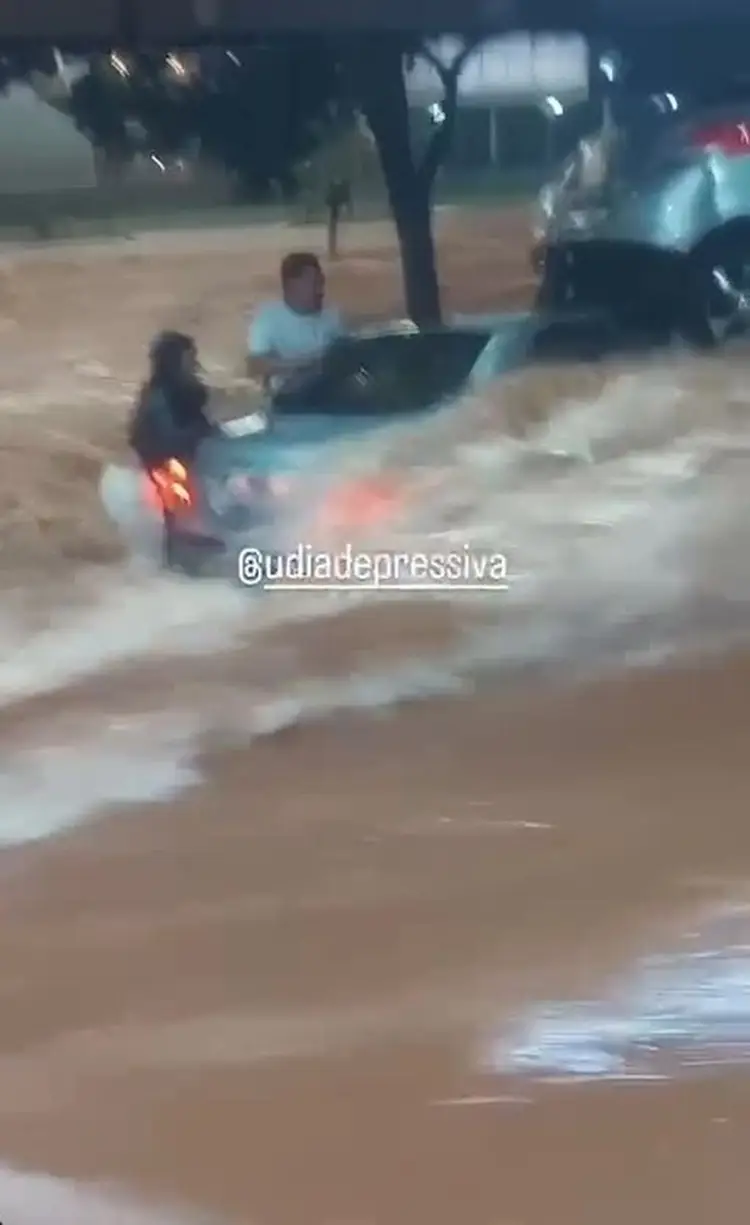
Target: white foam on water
606	514
40	1199
50	787
130	616
672	1014
613	512
47	788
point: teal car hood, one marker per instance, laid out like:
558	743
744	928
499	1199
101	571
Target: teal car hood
297	441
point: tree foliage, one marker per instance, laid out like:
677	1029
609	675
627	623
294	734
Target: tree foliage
254	108
261	109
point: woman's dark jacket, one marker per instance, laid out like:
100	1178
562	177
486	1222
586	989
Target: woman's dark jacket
169	422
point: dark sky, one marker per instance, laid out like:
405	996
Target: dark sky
673	10
176	19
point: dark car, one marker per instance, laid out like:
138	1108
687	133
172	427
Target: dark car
650	219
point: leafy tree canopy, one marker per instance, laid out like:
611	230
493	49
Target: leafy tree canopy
261	108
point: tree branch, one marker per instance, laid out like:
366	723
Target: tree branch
446	72
442	138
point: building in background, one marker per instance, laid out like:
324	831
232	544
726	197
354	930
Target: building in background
41	149
519	98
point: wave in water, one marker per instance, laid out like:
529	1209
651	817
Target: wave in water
624	501
619	496
49	787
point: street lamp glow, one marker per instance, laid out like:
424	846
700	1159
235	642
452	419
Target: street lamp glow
119	65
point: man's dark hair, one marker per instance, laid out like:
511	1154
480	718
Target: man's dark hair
297	262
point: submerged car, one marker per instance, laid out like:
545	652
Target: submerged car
283	460
650	219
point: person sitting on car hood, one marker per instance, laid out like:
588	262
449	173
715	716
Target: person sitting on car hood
287	335
170	419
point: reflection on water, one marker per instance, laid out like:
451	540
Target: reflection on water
677	1012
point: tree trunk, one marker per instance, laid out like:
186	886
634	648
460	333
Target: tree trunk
413	220
332	231
379	85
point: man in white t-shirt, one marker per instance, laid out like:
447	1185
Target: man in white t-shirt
291	333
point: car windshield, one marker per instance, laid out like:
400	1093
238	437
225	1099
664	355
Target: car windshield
386	374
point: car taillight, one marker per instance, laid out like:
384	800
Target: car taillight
170	481
731	139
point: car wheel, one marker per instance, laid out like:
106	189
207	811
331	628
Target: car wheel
717	303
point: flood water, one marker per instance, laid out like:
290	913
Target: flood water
365	908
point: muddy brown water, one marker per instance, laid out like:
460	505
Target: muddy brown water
283	944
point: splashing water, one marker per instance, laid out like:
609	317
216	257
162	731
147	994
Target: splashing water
619	497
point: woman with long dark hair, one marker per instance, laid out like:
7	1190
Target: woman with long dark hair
170	420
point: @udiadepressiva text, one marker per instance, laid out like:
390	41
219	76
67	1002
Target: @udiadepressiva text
306	568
